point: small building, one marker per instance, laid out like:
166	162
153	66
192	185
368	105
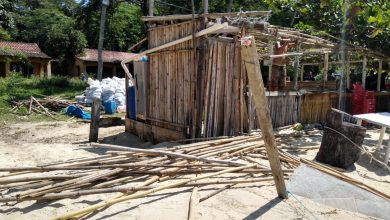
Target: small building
26	58
88	62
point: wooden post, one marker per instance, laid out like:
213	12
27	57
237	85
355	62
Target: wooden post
271	52
127	96
205	6
364	72
7	67
348	69
114	70
230	5
48	69
326	67
296	68
41	70
95	116
151	7
378	82
251	62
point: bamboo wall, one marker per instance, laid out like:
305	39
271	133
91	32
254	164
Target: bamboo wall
214	100
221	79
171	80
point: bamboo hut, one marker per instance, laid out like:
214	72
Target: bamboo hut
194	86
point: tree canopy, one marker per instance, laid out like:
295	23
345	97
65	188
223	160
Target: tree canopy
62	28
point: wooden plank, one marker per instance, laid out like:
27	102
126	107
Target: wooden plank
94	126
364	72
255	82
212	16
378	82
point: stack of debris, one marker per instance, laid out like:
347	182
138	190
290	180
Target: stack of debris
49	105
140	172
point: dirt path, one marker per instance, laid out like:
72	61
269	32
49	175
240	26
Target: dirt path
36	143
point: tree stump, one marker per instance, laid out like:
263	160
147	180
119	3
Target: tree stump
335	149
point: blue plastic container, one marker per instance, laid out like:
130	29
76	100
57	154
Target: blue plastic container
110	107
131	102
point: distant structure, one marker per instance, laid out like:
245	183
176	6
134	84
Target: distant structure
26	58
88	62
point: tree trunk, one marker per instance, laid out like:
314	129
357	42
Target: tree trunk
336	149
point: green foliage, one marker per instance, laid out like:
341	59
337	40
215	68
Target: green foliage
15	87
7	15
123	26
54	32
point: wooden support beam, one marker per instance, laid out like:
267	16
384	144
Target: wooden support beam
151	7
206	14
378	82
296	68
348	70
205	6
326	67
364	72
95	116
286	55
271	51
251	62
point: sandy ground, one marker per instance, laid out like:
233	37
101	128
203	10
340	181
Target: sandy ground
36	143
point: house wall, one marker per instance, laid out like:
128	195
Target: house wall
36	66
87	67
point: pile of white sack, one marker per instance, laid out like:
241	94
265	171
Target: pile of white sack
109	89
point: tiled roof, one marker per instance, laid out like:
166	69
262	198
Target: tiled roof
108	56
29	49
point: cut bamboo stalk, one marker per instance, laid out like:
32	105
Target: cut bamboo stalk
141	194
193	203
166	153
75	194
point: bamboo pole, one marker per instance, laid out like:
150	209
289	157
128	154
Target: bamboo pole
75	194
379	79
141	194
170	154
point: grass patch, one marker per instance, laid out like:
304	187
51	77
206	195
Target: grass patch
15	87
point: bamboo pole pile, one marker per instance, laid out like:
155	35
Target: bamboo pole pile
49	105
137	172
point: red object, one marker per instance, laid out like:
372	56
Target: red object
362	101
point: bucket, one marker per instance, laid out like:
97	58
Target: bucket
110	107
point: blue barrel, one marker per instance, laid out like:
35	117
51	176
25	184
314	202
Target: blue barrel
131	102
110	107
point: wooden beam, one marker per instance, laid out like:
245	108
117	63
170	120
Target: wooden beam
378	82
326	67
348	68
151	7
286	55
211	16
296	68
271	51
205	6
251	62
95	116
364	72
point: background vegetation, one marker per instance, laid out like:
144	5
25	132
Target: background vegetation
62	28
16	87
